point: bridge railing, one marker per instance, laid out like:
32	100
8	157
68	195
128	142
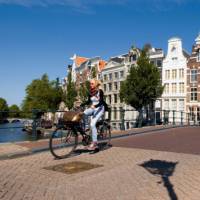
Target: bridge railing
36	120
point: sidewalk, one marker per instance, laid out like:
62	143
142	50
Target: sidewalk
19	149
122	172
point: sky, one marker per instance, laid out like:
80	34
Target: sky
40	36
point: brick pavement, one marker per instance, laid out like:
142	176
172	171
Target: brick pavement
120	178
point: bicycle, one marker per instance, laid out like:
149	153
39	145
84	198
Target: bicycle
65	139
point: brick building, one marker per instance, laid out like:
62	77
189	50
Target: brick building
193	82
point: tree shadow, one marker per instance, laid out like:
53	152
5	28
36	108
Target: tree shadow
164	169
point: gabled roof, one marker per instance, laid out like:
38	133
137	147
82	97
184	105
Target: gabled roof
102	64
79	60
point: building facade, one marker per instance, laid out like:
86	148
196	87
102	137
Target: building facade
113	74
193	82
156	56
174	80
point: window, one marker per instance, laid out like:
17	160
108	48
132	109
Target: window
99	76
198	113
105	77
116	85
181	104
174	58
181	73
159	63
121	74
110	77
110	86
193	94
167	74
104	87
198	56
115	98
174	102
193	75
181	87
174	73
167	88
166	104
116	75
115	113
121	112
109	99
173	88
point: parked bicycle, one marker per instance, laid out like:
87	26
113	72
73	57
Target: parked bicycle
69	134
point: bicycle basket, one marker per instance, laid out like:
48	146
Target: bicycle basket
72	116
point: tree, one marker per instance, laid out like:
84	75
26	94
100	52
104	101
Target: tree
3	107
71	91
14	111
142	86
42	94
94	72
84	91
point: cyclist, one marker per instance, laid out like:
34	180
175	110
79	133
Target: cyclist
97	108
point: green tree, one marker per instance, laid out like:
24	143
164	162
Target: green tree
14	111
94	72
142	86
84	91
71	91
42	94
3	109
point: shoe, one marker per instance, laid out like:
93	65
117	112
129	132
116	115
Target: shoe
93	146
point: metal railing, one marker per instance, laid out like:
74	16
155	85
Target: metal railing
121	119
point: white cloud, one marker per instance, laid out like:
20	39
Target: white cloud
87	5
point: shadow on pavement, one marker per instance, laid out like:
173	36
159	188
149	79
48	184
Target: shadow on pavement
164	169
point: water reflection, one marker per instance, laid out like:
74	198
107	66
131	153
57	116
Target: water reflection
11	132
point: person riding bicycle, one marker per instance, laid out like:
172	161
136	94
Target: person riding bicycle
96	110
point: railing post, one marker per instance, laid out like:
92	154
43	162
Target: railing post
123	114
194	119
173	117
188	114
181	118
34	124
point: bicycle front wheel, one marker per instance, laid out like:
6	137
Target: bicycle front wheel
63	142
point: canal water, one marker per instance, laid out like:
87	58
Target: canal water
12	132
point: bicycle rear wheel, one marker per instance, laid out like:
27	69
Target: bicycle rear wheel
63	142
104	133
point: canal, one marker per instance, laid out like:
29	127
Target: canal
12	132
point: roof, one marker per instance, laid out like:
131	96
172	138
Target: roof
79	60
117	59
102	64
185	53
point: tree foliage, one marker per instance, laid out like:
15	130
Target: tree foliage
71	92
94	72
14	111
3	107
84	91
42	94
142	86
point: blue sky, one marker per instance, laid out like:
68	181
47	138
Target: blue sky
39	36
